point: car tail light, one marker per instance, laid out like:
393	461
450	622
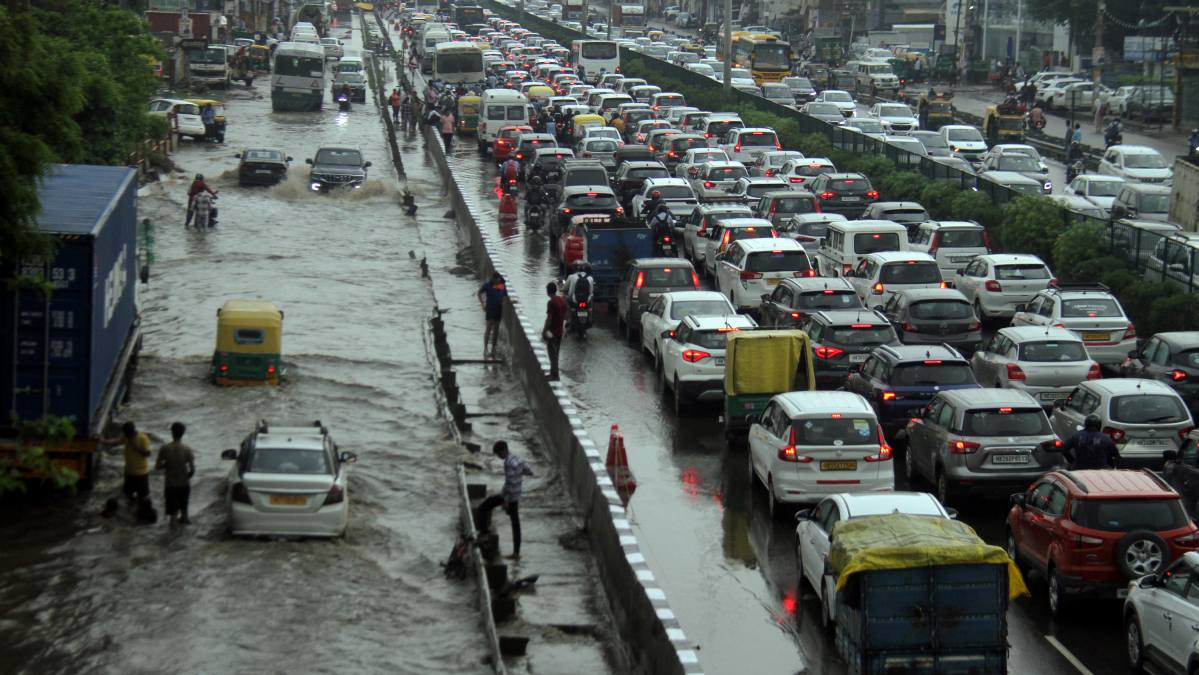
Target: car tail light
566	212
977	325
694	279
709	184
827	195
1094	373
737	148
1014	373
1076	540
1130	332
804	273
224	367
1182	433
336	496
1178	375
934	244
993	286
707	135
724	241
270	370
873	194
620	210
963	447
908	327
746	276
694	355
640	280
795	179
240	494
888	396
795	315
828	352
1188	540
789	453
520	155
1116	434
672	153
774	208
877	289
768	172
884	450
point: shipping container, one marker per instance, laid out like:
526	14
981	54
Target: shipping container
70	353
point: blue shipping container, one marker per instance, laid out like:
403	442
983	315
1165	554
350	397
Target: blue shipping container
71	348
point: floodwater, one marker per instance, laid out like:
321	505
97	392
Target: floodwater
79	593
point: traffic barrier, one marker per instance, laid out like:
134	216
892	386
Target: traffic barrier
617	464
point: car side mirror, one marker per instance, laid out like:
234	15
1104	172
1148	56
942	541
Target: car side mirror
1170	455
348	457
238	155
308	160
753	418
1151	581
1017	499
229	454
953	513
289	159
1134	354
1020	307
803	514
366	165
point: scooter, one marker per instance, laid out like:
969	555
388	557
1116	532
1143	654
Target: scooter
343	102
667	246
580	318
534	215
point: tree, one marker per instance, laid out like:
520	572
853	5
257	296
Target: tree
1075	247
1032	225
31	460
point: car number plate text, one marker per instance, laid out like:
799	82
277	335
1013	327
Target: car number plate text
583	315
851	199
773	282
839	465
718	361
288	500
1151	442
1051	395
1009	459
857	358
1094	337
264	171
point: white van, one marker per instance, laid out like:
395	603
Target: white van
499	108
954	243
846	243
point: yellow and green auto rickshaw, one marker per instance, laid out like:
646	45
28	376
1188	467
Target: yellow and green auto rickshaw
581	122
693	48
258	59
468	114
249	343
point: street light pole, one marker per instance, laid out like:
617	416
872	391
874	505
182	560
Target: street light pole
728	46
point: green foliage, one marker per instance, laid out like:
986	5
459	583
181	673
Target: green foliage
1032	225
1138	300
903	186
1173	312
874	167
1094	269
814	145
937	196
1117	277
31	458
976	206
1074	248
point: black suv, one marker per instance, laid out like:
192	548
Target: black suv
924	316
900	381
1182	471
357	82
630	176
1171	357
335	167
846	193
794	299
844	338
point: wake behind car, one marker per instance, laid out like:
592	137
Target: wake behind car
261	166
356	82
288	481
335	167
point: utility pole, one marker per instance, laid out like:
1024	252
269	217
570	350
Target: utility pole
1097	55
1019	27
986	24
728	46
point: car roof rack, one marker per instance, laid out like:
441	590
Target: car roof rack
1074	479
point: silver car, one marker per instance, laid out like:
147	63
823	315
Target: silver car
989	441
1144	417
1048	363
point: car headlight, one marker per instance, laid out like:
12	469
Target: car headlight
1048	186
316	185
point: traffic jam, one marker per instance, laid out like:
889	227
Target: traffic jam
872	373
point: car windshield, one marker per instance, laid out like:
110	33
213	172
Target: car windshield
837	97
709	339
867	126
349	78
962	239
1148	409
828	299
875	242
739	233
822	109
778	261
651	172
586	177
1090	308
1052	351
1103	188
591	199
968	135
1006	422
727	172
757	138
798	82
1124	515
759	189
678	310
288	460
894	111
262	156
910	272
941	310
338	157
1144	160
666	276
852	185
837	430
685	144
906	215
1017	163
931	373
794	205
1021	272
719	129
675	191
1155	204
932	141
776	91
602	145
860	335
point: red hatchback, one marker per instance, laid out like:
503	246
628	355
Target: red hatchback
1088	533
505	141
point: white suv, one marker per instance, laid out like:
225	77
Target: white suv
692	357
953	243
1089	311
668	309
751	268
1136	164
1161	618
997	284
879	275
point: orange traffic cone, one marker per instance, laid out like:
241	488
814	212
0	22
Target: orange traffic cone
618	465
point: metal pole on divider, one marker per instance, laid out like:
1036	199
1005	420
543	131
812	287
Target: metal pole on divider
728	45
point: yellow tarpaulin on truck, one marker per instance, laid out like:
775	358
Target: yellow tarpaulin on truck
768	362
900	541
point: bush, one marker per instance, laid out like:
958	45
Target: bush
1094	269
1175	312
1138	300
1032	225
814	145
875	168
936	197
902	186
1119	279
1076	246
976	206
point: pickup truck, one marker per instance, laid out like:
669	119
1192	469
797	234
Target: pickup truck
916	594
608	245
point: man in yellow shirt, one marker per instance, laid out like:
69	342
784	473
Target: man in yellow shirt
137	461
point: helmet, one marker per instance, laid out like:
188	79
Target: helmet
581	266
536	180
655	195
199	176
1092	423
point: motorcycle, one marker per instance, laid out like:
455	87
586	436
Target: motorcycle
534	215
1113	138
580	318
343	102
667	246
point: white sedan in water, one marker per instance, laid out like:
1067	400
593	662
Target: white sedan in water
288	481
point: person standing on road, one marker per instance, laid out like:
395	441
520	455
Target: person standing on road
1076	135
552	331
447	129
394	100
178	463
1091	448
137	464
514	473
492	296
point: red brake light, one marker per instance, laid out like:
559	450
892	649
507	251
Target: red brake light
933	362
640	280
828	195
884	450
567	212
795	315
795	179
1014	372
963	447
877	289
1182	433
750	275
694	355
694	279
709	184
1176	375
1093	373
336	495
725	240
789	453
1116	434
872	194
737	148
993	286
224	367
888	396
1130	332
934	244
828	352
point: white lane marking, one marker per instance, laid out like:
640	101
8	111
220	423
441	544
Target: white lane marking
1069	657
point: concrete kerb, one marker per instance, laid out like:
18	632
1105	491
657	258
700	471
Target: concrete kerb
642	613
466	515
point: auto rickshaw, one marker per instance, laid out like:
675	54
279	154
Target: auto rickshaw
758	365
656	35
541	93
259	59
581	122
1003	125
249	343
692	47
710	32
817	74
935	111
216	133
468	114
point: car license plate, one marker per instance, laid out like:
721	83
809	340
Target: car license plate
961	258
263	171
1094	337
773	282
858	358
1009	459
583	314
851	199
1150	442
719	360
1051	395
288	500
839	465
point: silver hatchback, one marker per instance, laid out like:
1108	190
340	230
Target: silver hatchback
1144	417
989	441
1045	362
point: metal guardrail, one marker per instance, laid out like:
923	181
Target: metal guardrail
1155	254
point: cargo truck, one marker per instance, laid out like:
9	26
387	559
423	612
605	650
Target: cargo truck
574	10
608	245
628	16
71	352
917	594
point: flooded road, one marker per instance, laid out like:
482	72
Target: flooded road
79	593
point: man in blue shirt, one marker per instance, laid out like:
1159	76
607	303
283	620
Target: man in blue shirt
1091	448
514	473
492	296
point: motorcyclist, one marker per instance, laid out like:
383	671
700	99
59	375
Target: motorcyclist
1036	117
1112	134
198	185
1075	169
577	290
650	207
345	91
535	196
510	170
1091	448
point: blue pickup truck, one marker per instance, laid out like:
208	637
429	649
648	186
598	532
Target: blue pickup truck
608	246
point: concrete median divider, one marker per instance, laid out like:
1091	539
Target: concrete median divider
644	619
